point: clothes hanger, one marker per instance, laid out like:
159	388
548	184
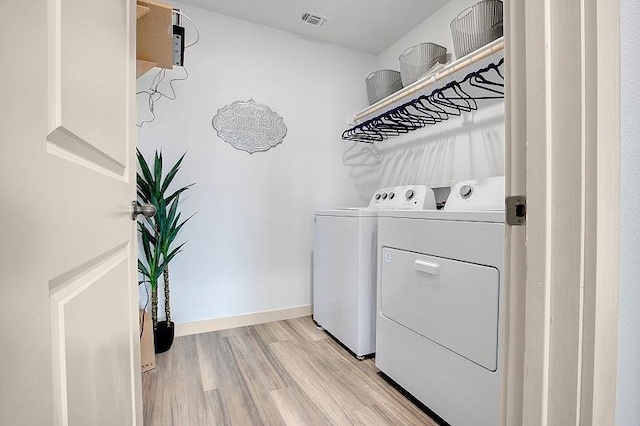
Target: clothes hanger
399	116
423	105
370	129
414	113
485	80
438	99
481	82
390	127
454	93
414	117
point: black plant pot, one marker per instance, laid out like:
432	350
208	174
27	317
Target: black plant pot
163	335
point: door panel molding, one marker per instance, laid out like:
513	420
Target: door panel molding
68	278
65	289
80	78
69	146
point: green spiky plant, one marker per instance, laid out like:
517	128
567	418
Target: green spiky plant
159	232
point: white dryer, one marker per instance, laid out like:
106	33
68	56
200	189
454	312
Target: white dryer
344	264
439	302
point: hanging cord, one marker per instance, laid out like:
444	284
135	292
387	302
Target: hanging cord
146	304
153	93
194	26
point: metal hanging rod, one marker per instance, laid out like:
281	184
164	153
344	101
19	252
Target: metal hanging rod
452	99
464	62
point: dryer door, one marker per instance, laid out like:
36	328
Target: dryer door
452	303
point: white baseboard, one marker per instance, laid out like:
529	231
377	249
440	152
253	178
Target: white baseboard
253	318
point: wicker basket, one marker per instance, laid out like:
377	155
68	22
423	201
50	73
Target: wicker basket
381	84
417	60
476	26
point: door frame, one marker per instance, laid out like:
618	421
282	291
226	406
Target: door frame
563	152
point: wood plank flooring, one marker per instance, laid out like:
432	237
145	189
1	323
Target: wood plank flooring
281	373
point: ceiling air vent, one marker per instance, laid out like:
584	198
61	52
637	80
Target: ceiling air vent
314	18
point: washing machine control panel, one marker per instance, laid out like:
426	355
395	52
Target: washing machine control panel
406	197
466	191
477	195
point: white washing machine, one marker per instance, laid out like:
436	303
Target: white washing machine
439	302
344	264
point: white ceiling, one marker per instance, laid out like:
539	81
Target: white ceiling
366	25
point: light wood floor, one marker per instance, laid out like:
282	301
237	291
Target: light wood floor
281	373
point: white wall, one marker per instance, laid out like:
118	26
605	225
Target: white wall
628	395
249	244
469	147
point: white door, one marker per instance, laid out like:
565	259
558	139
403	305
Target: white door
69	345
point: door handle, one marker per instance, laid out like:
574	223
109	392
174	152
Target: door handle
426	267
147	210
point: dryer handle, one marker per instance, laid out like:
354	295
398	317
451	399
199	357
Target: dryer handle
426	267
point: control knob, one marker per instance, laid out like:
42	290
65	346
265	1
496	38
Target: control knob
466	191
391	195
409	194
384	196
378	196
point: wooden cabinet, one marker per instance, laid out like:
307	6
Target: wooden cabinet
154	36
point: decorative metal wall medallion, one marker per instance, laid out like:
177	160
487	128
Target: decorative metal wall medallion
249	126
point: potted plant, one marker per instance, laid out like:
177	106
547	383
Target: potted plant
158	235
